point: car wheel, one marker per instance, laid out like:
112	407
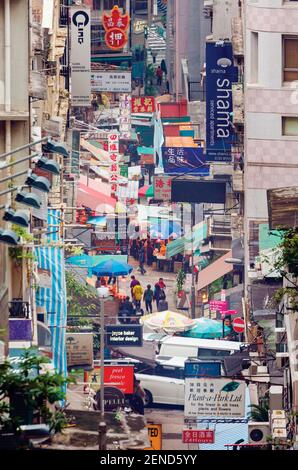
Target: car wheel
148	400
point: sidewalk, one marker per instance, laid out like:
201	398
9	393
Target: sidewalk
151	277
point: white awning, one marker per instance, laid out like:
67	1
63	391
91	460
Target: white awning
128	192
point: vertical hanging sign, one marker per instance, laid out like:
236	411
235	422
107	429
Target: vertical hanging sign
116	26
125	116
80	56
113	149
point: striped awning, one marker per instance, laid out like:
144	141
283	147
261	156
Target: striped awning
130	191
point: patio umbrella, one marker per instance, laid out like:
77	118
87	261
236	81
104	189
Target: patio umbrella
112	268
206	328
170	322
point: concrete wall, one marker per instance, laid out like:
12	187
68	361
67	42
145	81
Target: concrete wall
193	29
223	12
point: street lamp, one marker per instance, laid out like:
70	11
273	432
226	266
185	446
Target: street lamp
103	293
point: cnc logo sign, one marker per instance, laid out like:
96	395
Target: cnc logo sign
80	19
116	26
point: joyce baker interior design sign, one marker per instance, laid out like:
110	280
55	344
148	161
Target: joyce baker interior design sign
124	335
80	56
220	74
184	160
214	398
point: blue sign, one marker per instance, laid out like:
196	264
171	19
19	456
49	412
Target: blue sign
194	369
184	160
220	74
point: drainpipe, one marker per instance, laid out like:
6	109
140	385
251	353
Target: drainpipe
177	50
7	107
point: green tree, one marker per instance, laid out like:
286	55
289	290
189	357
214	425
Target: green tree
259	413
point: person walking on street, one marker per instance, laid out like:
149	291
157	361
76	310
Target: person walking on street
148	297
126	311
159	74
149	253
133	283
137	295
161	283
142	259
157	291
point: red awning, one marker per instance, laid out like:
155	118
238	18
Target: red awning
143	190
95	200
214	271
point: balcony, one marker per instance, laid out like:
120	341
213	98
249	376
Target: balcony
20	324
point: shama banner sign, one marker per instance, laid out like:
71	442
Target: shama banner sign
220	74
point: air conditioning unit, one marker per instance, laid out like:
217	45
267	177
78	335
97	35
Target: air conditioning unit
258	432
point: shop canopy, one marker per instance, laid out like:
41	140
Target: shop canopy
143	190
129	191
185	243
145	150
150	191
164	229
214	271
95	200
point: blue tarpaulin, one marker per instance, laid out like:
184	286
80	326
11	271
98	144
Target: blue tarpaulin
51	259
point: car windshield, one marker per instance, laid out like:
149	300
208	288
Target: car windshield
171	372
203	352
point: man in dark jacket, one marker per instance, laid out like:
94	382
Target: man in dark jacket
142	259
126	312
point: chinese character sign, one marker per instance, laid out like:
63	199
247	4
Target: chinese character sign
116	26
184	160
143	104
125	116
162	187
214	398
198	436
113	149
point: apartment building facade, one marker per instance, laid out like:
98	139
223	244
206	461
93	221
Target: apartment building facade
271	141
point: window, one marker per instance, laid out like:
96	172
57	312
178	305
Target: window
109	4
203	352
254	66
290	126
290	58
171	372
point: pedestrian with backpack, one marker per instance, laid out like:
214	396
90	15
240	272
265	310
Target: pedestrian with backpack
148	298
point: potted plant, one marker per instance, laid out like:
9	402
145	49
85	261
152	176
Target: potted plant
28	395
181	276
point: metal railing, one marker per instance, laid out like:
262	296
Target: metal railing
196	91
19	309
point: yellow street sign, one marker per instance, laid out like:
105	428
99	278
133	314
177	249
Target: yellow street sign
155	436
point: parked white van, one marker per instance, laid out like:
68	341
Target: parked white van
179	346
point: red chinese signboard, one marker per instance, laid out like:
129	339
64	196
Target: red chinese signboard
162	187
198	436
113	149
121	377
115	26
143	104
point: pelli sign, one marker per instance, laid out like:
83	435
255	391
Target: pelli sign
116	26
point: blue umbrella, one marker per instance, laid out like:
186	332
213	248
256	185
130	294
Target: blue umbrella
207	328
112	268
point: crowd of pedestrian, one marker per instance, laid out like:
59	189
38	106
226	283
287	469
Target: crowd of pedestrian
131	309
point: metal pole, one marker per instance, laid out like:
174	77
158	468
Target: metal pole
11	177
149	7
18	149
102	424
177	51
193	291
29	157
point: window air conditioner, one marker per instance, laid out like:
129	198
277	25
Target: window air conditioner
258	432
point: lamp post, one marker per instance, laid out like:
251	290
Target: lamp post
103	293
193	289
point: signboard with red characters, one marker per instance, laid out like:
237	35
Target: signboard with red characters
198	436
143	104
162	187
115	26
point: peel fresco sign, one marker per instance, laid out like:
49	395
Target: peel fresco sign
220	75
214	398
